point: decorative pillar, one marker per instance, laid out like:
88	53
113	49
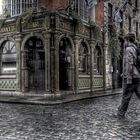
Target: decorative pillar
47	61
52	65
72	71
104	59
92	13
18	50
56	63
25	71
76	58
92	46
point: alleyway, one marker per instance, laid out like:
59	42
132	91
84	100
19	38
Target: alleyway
82	120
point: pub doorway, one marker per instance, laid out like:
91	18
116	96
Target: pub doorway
35	61
65	62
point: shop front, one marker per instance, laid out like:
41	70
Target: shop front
48	54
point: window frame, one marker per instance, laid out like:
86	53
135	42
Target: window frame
98	61
16	7
83	59
5	53
80	7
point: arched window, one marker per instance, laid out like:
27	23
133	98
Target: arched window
98	61
83	59
8	58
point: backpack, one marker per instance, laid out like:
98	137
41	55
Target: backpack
137	64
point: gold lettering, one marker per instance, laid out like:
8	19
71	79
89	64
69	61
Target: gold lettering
9	28
35	24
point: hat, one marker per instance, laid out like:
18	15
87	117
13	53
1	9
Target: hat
130	35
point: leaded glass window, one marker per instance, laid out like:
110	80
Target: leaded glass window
83	59
8	58
98	61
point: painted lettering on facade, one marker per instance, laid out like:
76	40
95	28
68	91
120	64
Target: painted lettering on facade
33	24
8	28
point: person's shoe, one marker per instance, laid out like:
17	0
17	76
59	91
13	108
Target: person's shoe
118	116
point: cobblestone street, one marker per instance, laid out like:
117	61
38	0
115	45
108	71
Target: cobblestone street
82	120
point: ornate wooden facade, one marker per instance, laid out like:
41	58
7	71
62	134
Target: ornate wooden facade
54	53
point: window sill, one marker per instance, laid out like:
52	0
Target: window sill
98	75
82	75
7	76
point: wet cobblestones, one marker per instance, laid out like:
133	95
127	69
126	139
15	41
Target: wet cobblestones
90	119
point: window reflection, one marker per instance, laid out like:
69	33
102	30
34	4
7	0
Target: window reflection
8	58
83	59
98	61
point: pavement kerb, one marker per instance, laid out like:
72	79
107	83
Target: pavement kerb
44	99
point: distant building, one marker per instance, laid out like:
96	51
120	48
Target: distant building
125	15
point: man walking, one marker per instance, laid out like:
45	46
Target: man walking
131	76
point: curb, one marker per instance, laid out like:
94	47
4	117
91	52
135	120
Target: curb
47	99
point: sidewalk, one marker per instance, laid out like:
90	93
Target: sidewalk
45	100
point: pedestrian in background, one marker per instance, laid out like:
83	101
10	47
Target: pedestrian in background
131	75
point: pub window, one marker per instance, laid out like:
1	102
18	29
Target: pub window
83	59
81	8
98	61
8	58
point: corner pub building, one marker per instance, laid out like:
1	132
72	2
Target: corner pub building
48	51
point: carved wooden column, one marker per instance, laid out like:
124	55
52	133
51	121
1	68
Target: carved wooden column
104	66
18	50
25	71
76	44
104	58
54	62
47	61
92	47
72	71
56	56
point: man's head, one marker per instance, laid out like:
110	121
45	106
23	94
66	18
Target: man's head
130	37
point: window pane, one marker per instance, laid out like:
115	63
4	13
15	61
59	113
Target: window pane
97	61
83	59
16	7
81	8
8	58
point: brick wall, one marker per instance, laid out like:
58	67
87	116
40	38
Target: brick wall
100	12
53	5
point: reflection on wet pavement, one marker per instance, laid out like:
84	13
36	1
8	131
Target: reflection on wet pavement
90	119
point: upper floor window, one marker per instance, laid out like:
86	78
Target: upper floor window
110	11
121	23
81	8
136	3
16	7
8	58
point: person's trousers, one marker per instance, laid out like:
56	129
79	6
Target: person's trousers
128	90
